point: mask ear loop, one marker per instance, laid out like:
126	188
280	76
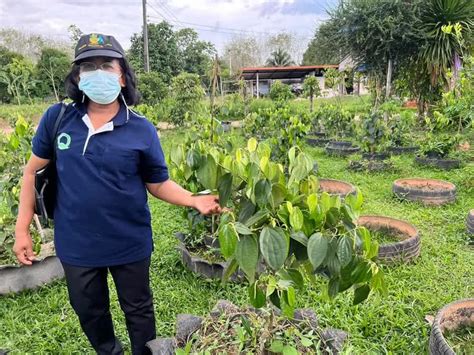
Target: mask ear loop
126	106
83	97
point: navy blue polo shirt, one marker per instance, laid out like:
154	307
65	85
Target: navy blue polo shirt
101	216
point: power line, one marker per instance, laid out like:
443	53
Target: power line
217	29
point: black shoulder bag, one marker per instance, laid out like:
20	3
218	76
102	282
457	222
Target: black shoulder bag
45	179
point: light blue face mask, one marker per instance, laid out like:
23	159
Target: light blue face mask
100	86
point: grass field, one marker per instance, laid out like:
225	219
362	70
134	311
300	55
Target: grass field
41	322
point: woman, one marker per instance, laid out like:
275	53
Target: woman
107	158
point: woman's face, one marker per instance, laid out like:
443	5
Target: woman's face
105	63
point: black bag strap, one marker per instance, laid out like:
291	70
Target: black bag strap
56	127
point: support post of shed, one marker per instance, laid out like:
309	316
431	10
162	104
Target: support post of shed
258	92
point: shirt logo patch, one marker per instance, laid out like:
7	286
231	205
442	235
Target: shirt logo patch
64	141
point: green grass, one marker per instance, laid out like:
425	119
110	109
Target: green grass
43	322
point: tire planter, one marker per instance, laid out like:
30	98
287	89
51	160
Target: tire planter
317	142
445	164
376	156
225	312
450	317
342	148
336	187
407	249
202	267
403	150
15	278
470	222
318	134
427	191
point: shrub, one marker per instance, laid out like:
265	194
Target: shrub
188	95
280	93
152	88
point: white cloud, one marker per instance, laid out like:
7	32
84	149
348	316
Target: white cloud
218	20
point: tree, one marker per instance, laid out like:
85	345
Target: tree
18	78
152	88
75	34
163	50
187	95
323	48
332	78
279	58
311	89
442	48
378	34
195	55
6	57
53	67
242	51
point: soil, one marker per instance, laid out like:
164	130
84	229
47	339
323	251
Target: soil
425	185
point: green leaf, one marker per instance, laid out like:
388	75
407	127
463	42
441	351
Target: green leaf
289	350
252	144
263	190
300	237
274	246
333	287
231	267
296	218
207	173
292	275
177	155
256	295
312	202
246	254
257	218
242	229
361	293
317	249
227	239
246	211
278	195
344	250
225	189
277	346
306	342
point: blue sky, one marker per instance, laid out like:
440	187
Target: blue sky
215	20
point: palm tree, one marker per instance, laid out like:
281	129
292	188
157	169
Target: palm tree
279	58
444	48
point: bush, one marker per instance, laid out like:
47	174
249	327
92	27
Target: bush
152	88
280	93
187	95
233	108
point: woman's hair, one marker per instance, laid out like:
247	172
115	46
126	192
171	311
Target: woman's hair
129	91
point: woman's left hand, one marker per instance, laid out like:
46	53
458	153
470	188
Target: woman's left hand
207	204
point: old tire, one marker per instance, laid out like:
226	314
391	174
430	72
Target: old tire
427	191
407	249
470	222
317	142
336	187
444	164
451	316
375	156
341	148
403	150
19	278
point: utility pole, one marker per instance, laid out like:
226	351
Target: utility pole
146	56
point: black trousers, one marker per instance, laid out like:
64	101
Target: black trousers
89	297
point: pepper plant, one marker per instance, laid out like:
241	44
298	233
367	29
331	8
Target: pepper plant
337	122
283	221
373	132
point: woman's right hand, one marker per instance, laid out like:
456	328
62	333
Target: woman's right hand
23	247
